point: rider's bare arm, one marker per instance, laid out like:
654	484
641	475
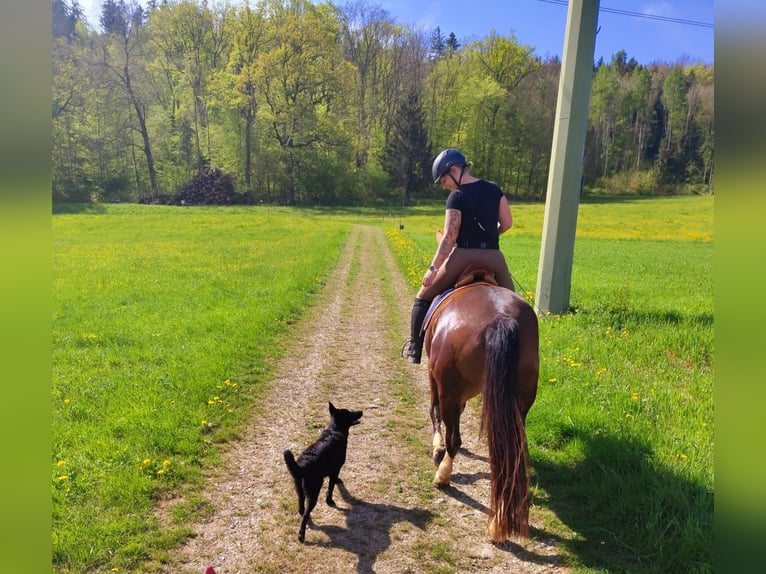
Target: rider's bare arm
448	239
504	217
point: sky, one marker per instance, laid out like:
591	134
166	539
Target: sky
654	31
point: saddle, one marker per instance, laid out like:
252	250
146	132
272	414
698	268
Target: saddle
474	274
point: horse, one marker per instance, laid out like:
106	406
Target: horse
482	338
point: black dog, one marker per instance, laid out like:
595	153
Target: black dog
323	458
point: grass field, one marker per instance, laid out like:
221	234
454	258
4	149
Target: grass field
166	322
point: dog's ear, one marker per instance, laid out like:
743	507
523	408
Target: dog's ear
332	408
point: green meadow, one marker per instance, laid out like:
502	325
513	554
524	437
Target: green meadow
167	322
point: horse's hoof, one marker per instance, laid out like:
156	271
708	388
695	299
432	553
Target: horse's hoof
440	483
442	480
494	536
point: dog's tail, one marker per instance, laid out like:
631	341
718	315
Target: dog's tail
292	466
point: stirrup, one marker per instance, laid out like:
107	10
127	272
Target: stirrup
412	351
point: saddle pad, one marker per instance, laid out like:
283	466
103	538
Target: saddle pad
440	299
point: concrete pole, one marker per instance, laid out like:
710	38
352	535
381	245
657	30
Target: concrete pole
565	173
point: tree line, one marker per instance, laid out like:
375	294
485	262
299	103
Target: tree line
303	103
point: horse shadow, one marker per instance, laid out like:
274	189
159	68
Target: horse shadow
626	509
467	479
368	528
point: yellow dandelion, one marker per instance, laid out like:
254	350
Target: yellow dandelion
161	471
204	423
165	463
211	401
146	462
634	396
67	401
552	380
61	463
683	456
64	477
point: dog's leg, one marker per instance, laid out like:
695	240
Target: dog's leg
333	481
312	488
300	491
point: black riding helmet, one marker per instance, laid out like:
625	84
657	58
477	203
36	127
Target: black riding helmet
446	160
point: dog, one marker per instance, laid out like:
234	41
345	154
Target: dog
323	458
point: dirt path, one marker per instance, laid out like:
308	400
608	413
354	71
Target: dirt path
389	517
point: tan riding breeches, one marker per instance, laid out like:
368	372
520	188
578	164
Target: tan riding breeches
457	262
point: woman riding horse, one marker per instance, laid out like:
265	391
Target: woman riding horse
476	214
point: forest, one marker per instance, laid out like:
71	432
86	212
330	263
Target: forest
295	103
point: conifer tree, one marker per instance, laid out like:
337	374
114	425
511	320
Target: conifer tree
437	44
407	152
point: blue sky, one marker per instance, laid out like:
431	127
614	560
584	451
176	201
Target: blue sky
541	24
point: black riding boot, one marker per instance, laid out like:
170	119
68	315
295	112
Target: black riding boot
413	349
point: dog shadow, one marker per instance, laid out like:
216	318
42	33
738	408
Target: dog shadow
368	528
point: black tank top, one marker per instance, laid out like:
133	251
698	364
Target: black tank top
479	205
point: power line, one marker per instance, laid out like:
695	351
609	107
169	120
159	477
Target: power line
641	15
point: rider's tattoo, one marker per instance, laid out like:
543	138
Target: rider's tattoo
451	230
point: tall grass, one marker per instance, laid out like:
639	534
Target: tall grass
621	435
165	324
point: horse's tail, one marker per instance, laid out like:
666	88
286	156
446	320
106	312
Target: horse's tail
504	426
292	466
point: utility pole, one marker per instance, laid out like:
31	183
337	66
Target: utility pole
565	174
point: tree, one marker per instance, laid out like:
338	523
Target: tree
437	44
641	103
65	19
604	110
301	78
121	51
406	157
500	64
189	43
674	102
365	32
234	87
452	43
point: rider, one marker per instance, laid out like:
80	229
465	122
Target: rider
477	212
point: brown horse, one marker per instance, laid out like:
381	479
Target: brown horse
484	339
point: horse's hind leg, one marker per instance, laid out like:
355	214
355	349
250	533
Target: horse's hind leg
438	440
453	441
